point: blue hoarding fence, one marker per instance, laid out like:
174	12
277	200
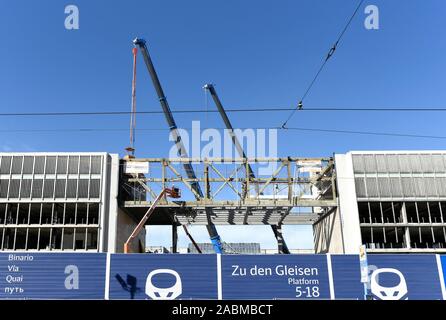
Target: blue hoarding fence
25	275
169	276
52	275
275	277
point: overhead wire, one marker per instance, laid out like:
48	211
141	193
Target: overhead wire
234	110
287	130
328	56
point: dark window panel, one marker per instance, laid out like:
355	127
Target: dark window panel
73	165
62	162
5	167
17	164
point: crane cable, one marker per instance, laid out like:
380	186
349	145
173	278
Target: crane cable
329	55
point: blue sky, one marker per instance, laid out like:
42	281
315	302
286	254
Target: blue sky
258	53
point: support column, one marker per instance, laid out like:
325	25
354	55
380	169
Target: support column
174	238
281	245
406	228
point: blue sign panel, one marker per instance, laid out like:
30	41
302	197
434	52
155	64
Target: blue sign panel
392	277
141	276
52	276
275	277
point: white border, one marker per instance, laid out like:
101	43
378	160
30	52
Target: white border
107	277
330	277
440	273
219	286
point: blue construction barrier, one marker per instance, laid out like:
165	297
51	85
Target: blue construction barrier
275	277
25	275
52	276
143	276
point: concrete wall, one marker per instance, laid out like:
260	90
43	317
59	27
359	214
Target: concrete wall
327	233
111	199
125	226
348	207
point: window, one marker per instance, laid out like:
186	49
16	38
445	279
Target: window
5	166
48	188
17	164
25	189
94	188
96	164
50	167
68	239
62	162
39	165
73	165
4	188
71	188
83	188
93	213
28	164
84	165
37	186
60	188
14	188
34	215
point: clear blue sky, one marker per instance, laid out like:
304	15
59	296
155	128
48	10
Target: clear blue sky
258	53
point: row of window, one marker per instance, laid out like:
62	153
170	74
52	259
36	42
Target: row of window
49	239
50	188
398	237
396	163
386	187
49	213
74	164
393	212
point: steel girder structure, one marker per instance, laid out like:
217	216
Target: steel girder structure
232	196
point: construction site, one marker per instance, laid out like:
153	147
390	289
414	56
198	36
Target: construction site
77	225
388	201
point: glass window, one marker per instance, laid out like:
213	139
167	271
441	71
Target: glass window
71	188
28	164
48	188
14	187
83	188
17	164
5	167
4	188
84	164
73	164
62	162
39	165
94	188
50	167
60	188
96	164
37	188
25	188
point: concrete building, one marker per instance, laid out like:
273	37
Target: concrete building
58	201
390	201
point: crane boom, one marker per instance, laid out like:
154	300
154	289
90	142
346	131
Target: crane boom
141	43
210	87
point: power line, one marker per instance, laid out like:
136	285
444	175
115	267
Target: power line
329	55
269	109
287	130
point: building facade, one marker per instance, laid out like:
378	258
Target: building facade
58	201
392	201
